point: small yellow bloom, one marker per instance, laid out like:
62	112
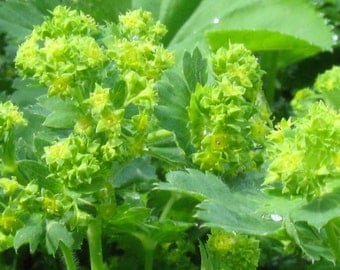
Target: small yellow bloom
60	86
98	99
58	152
110	121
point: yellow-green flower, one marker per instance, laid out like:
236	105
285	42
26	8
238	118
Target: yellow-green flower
10	116
58	152
98	99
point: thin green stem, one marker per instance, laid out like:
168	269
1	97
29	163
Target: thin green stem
148	263
68	257
94	237
168	206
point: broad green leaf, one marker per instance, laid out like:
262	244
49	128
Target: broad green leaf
63	112
195	183
312	242
290	48
174	97
333	235
174	13
149	5
101	10
238	212
18	17
220	207
166	231
35	171
137	170
56	233
162	144
195	69
30	234
275	16
24	94
129	219
319	211
32	170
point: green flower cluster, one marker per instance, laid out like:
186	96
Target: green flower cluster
228	251
229	120
109	73
9	117
134	45
304	153
326	88
61	51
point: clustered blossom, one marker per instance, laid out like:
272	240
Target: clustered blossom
232	251
60	51
10	116
304	154
109	73
229	120
134	45
326	88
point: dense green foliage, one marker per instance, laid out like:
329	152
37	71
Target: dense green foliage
148	134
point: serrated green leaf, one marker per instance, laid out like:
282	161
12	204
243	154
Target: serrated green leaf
56	233
137	170
290	48
129	219
311	241
30	234
319	211
24	94
18	17
174	97
220	207
195	69
162	144
101	10
32	170
174	13
64	113
277	16
195	183
149	5
333	235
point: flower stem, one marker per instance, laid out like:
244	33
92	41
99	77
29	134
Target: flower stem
94	235
68	257
167	207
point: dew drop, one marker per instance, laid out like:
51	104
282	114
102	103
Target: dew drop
276	217
216	20
335	37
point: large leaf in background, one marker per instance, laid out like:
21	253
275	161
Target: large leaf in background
63	114
56	233
101	10
233	210
149	5
137	170
290	48
333	235
227	19
319	211
162	144
18	17
310	240
174	13
174	97
30	234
